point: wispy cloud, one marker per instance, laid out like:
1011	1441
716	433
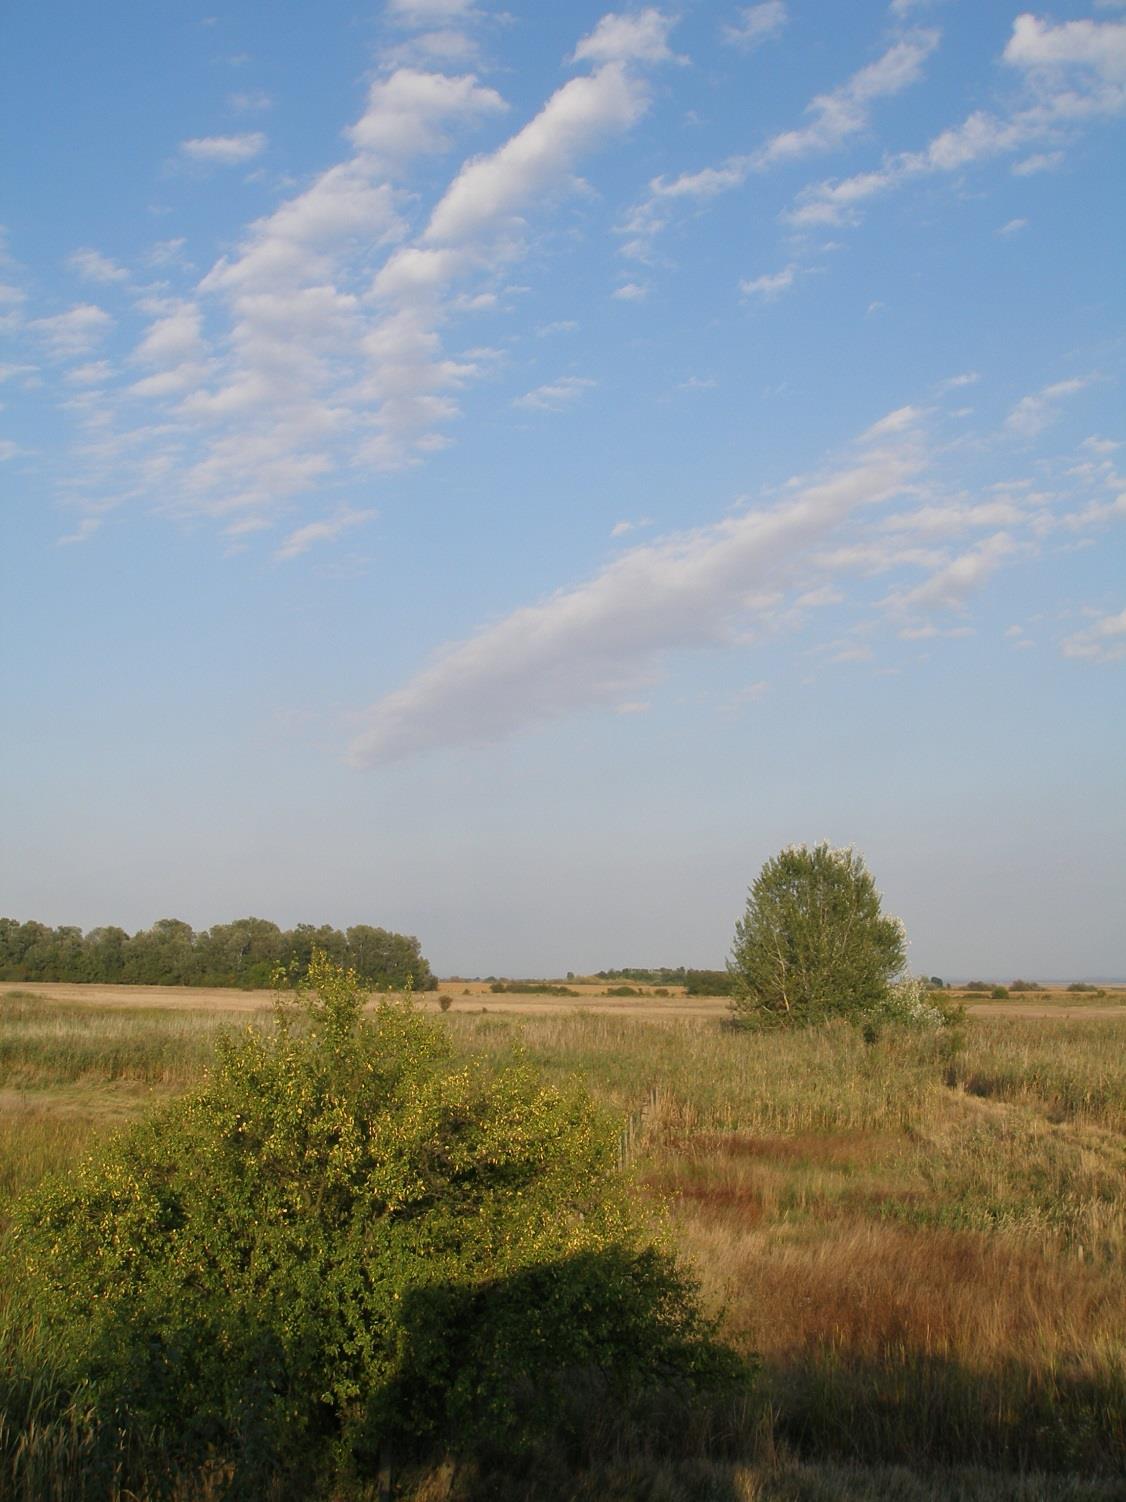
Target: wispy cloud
555	396
301	539
833	118
949	586
75	332
598	641
1075	73
92	266
755	24
224	151
1032	414
1104	641
769	286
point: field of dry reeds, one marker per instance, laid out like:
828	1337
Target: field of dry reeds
920	1240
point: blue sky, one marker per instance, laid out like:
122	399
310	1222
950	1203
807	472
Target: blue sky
502	474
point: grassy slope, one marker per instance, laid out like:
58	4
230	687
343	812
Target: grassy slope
922	1240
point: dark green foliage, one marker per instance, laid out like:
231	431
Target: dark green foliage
813	943
347	1241
979	987
660	975
530	988
1000	993
708	983
1025	985
245	953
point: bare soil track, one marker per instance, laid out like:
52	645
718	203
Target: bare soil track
643	1007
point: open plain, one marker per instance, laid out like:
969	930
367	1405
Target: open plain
918	1240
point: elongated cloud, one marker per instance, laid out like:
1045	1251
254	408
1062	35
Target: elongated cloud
1075	73
225	151
593	643
833	118
582	114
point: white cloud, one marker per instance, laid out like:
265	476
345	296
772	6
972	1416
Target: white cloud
1032	414
556	396
1076	72
1013	227
74	332
1105	641
835	117
956	382
769	286
756	24
224	151
949	586
599	640
1039	45
407	113
249	101
631	292
428	12
1039	161
82	532
490	191
954	517
902	420
640	37
92	266
846	110
303	538
96	373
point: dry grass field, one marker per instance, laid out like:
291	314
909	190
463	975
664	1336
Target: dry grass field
475	995
921	1241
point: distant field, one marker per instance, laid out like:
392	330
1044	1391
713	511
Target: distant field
923	1240
474	996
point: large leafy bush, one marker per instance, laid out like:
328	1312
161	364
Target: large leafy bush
344	1242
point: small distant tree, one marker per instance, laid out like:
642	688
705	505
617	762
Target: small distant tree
813	942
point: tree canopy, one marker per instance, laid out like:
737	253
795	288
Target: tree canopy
243	953
813	942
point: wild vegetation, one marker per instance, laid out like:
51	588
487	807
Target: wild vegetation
916	1242
244	953
813	944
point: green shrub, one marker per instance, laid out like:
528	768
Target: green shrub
343	1242
1000	993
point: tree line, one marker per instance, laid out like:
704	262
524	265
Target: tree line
245	953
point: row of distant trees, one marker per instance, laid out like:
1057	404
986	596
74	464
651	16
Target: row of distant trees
245	953
695	982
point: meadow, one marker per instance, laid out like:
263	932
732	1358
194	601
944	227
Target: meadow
919	1239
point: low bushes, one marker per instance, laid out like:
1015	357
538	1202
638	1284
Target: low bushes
344	1243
